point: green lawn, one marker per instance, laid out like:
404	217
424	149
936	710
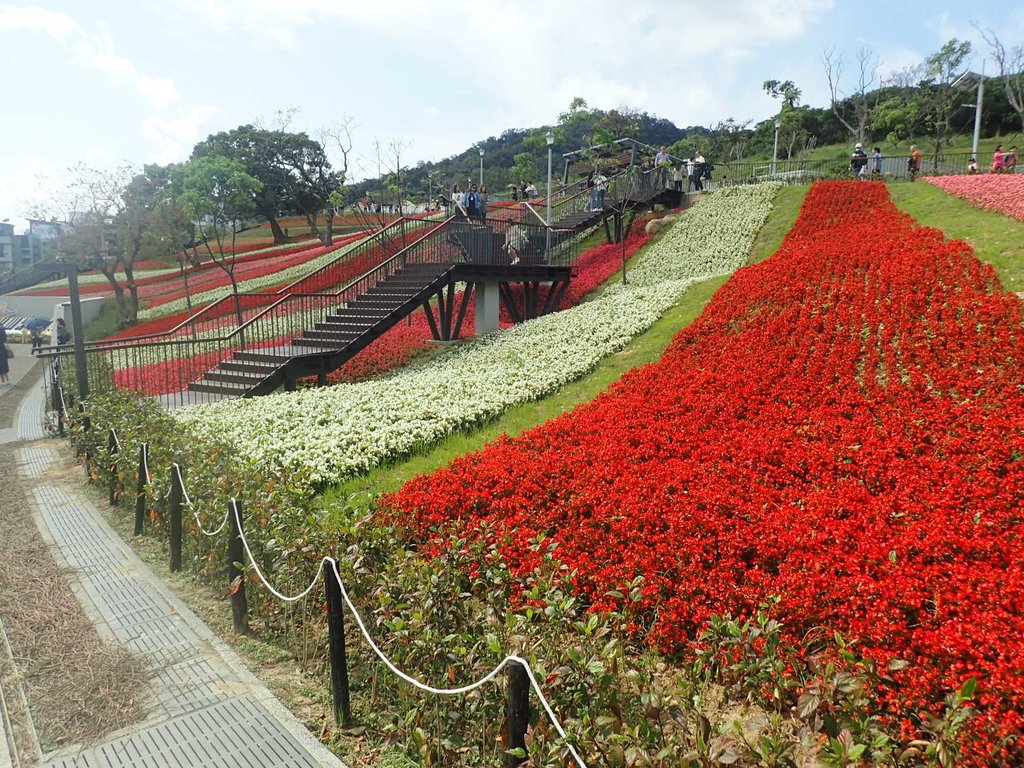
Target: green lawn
961	143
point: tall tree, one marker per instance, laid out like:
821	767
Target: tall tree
150	225
1011	70
899	112
939	100
258	150
791	130
217	194
730	139
115	220
309	181
852	110
337	139
96	207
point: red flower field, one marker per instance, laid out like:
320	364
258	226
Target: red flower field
842	428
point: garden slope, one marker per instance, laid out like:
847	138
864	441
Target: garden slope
842	429
316	437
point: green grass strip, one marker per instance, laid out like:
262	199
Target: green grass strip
997	239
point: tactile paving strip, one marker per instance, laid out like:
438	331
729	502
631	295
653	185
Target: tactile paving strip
31	415
238	732
205	713
131	609
81	545
35	461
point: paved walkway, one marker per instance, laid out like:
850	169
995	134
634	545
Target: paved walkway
205	708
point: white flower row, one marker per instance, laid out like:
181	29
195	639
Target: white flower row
95	278
254	284
320	436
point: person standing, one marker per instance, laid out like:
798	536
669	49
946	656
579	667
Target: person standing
698	172
858	159
600	187
677	177
876	158
472	202
998	161
662	161
914	162
481	204
5	367
515	193
1010	159
456	200
36	335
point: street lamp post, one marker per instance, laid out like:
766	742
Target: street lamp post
977	111
550	138
481	166
775	148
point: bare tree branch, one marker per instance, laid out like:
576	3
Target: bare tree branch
1011	69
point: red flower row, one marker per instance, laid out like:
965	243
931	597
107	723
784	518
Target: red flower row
841	428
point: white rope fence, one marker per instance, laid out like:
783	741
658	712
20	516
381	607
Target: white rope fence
233	511
387	661
187	501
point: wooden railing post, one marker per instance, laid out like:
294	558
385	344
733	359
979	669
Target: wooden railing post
336	642
58	401
140	488
175	501
83	448
517	711
236	578
113	450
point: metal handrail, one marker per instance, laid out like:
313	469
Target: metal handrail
208	312
141	341
170	365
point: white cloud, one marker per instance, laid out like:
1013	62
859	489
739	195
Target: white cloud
94	50
33	19
174	138
897	59
533	56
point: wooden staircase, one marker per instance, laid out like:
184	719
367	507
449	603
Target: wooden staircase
332	341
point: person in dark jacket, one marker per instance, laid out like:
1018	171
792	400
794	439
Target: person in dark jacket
5	367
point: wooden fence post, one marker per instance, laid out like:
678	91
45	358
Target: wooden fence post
236	578
175	502
113	451
83	448
517	711
336	642
58	404
140	488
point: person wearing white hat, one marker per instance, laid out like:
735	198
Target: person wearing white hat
858	160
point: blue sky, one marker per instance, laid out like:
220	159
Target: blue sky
109	82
